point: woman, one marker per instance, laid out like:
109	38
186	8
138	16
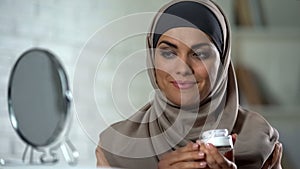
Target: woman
191	70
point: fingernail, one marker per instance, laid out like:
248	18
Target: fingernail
208	146
202	164
201	154
195	145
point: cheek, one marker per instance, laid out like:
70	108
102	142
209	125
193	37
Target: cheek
163	69
203	81
201	72
162	65
213	68
206	73
159	74
161	78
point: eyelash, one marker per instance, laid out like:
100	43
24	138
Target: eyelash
169	54
202	55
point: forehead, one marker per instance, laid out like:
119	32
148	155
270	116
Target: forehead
185	35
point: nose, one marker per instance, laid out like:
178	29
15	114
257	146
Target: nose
183	66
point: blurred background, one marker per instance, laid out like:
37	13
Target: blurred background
265	52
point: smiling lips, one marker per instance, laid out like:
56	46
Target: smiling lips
183	84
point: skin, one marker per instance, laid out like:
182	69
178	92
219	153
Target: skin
186	65
185	74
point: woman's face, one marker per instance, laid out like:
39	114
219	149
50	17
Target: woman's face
186	65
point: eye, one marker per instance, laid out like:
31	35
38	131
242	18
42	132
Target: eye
202	54
168	54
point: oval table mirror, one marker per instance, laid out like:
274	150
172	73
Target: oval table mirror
39	100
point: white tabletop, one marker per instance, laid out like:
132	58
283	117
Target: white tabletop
17	164
48	167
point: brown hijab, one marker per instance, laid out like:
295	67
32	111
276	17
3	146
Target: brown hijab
161	126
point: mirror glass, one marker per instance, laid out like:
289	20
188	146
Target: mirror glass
39	101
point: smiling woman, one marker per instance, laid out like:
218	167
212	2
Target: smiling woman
190	67
185	65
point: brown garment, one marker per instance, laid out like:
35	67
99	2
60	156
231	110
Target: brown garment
161	126
247	156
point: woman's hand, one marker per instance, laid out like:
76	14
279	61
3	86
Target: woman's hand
184	157
274	160
198	155
215	159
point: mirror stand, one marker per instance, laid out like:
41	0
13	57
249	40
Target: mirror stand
69	151
49	155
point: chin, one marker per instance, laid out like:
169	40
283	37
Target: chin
188	102
184	99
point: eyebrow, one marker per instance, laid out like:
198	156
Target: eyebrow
176	47
169	44
199	45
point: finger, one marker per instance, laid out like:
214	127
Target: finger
190	152
277	154
177	157
189	147
211	162
215	159
210	152
202	146
190	165
234	137
199	142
